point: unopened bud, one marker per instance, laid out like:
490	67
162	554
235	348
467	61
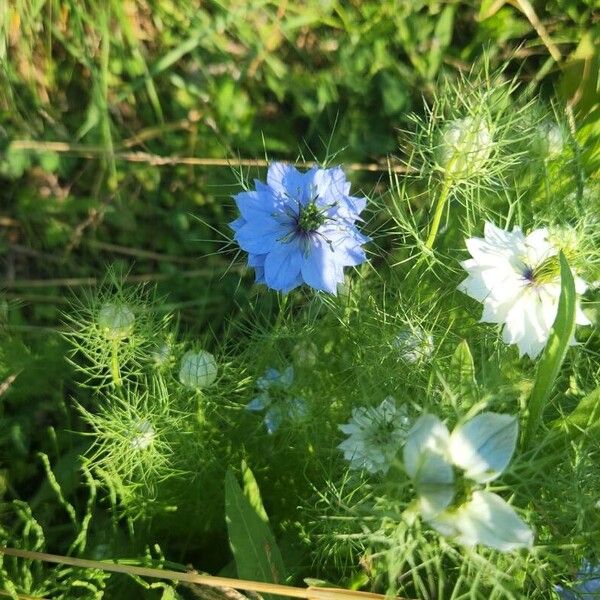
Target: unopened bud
464	146
116	321
198	369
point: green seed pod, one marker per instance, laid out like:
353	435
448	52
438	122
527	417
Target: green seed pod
115	321
464	146
198	369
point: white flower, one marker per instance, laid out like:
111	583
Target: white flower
482	448
145	435
375	436
275	400
517	279
414	345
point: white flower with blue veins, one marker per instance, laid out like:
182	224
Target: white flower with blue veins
275	399
300	228
517	279
375	435
480	450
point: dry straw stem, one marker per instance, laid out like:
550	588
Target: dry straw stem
159	161
310	593
92	281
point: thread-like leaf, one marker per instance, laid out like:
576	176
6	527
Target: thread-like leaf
555	350
253	545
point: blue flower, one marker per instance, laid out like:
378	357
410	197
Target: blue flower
274	399
300	228
588	585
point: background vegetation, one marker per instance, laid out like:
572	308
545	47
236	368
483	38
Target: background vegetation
101	101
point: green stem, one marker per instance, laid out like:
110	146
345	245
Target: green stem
280	315
439	211
114	364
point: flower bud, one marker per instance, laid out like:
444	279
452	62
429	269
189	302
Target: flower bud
144	435
413	345
161	355
116	321
464	146
548	140
198	369
305	354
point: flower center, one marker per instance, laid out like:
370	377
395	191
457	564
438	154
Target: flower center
383	433
546	272
310	217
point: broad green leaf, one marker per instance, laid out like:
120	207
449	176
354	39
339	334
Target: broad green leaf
555	350
252	492
441	39
489	8
252	543
462	372
585	418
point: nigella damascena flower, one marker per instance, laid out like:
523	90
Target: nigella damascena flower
275	399
588	584
300	228
480	451
375	433
517	279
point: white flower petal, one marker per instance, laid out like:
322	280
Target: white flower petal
484	445
434	483
488	520
428	434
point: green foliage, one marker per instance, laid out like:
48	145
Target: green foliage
555	351
105	452
257	556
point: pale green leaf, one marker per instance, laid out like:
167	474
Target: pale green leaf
555	350
257	556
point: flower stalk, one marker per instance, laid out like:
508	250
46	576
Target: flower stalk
441	203
114	364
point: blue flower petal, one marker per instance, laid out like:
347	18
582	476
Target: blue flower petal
259	403
260	236
256	204
282	267
235	225
287	377
320	269
289	183
273	419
